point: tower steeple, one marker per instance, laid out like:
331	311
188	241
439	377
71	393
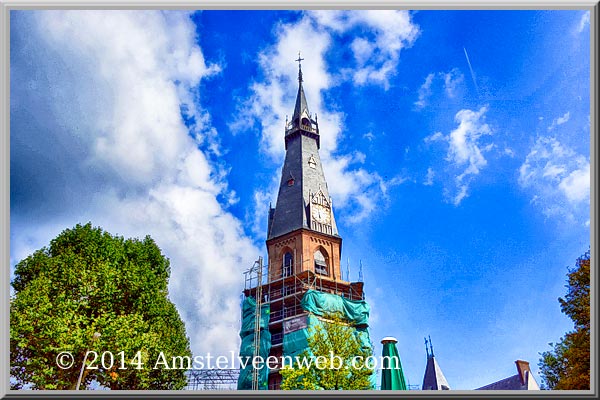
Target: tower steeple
434	378
303	201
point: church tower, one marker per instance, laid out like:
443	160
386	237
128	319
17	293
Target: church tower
302	235
304	252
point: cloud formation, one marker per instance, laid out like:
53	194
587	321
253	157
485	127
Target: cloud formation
559	121
425	91
583	22
558	178
378	38
450	82
465	155
429	177
109	145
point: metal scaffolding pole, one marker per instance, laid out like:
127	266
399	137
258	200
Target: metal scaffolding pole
257	318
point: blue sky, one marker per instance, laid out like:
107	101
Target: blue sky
456	146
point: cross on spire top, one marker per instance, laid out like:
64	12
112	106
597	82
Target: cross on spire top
299	61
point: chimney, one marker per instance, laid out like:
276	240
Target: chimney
523	369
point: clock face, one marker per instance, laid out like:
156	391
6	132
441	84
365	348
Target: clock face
321	214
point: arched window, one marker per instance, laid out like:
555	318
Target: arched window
320	263
288	262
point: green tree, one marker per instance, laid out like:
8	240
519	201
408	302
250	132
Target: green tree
88	281
567	365
327	341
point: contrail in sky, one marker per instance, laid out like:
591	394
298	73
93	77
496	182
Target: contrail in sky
471	69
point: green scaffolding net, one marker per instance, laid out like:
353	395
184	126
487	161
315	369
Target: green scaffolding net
355	312
295	341
247	346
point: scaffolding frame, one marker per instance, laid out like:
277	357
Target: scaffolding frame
212	379
284	294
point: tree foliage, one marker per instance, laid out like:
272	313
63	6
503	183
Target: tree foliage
567	365
331	338
88	281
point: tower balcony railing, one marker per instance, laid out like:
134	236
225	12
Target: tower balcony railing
291	127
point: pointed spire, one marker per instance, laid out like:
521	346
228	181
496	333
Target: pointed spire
301	104
434	378
303	164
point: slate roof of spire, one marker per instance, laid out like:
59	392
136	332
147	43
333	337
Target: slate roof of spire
434	378
301	104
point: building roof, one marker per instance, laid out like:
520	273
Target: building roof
434	378
523	380
510	383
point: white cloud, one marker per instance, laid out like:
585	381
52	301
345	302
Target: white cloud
257	216
451	82
563	119
379	37
558	178
111	86
362	50
576	186
559	121
435	137
583	22
465	150
425	91
464	146
429	177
